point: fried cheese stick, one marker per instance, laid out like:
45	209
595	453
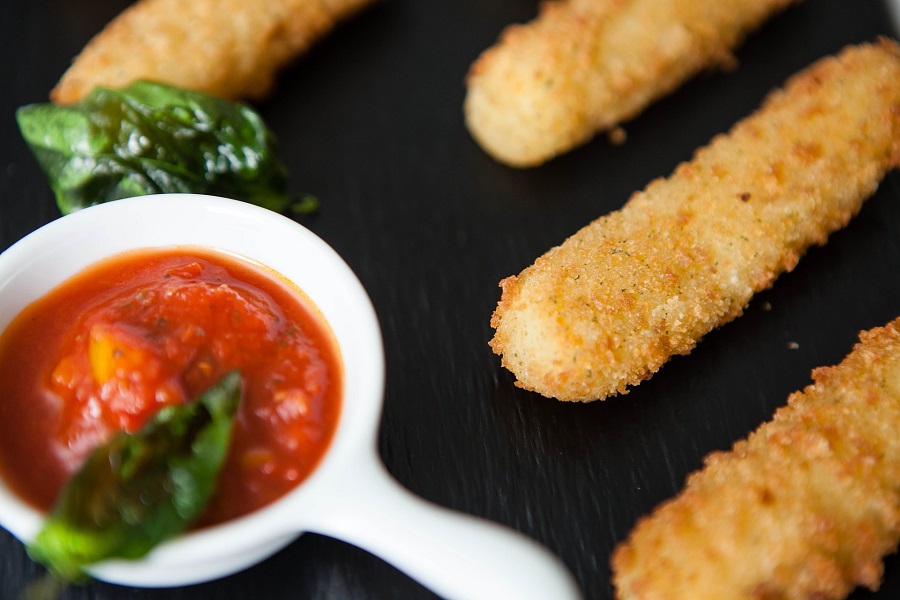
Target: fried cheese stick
228	48
805	507
621	296
583	66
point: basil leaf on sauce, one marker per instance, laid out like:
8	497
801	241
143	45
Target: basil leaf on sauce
149	138
139	489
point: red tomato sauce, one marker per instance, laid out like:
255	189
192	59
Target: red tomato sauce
110	347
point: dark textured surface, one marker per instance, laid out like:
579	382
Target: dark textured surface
371	123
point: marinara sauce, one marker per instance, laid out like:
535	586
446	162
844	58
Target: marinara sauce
110	347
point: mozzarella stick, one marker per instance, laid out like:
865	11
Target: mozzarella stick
228	48
583	66
805	507
615	301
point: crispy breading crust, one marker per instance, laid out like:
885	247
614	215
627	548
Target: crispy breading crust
229	48
616	300
584	66
805	507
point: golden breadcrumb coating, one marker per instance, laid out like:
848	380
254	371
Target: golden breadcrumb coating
805	507
621	296
228	48
584	66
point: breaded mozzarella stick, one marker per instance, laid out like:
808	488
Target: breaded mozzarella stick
584	66
615	301
805	507
228	48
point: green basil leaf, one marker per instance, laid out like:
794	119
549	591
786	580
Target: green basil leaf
149	138
140	489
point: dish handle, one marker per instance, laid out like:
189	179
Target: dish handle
457	556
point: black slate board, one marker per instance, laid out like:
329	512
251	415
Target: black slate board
371	122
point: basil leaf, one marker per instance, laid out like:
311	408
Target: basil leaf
149	138
139	489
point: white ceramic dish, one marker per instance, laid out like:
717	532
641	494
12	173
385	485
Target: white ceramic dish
894	9
350	496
